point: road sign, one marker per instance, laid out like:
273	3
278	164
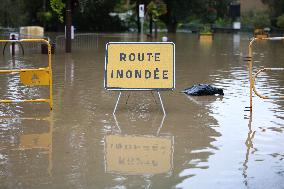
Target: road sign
141	11
140	66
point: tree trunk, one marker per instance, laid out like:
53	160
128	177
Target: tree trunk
172	27
170	20
151	24
156	29
138	19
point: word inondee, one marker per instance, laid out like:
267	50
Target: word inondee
147	74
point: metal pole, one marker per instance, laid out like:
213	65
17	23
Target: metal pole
50	76
161	103
161	125
116	123
154	97
127	97
142	30
250	74
116	103
13	45
68	27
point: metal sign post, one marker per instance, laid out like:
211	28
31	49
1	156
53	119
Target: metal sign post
141	16
142	32
140	66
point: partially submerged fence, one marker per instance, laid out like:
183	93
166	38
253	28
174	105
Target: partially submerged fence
27	47
92	40
33	77
252	77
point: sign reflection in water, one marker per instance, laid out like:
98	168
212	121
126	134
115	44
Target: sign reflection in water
138	155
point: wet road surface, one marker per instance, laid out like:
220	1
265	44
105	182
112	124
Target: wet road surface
202	142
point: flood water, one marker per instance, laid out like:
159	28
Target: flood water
202	142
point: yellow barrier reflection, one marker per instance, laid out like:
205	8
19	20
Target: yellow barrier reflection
206	38
39	141
35	141
40	76
250	149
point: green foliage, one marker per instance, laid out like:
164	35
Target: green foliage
156	9
96	17
223	22
276	7
211	15
256	19
44	16
207	10
93	15
261	20
196	23
124	6
12	13
58	6
206	29
280	21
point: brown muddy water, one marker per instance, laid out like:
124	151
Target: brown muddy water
202	142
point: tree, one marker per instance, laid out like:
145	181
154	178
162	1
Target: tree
179	11
96	17
276	9
138	2
155	9
58	7
16	13
276	6
7	18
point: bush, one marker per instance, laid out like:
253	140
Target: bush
256	19
194	24
280	21
206	29
261	20
223	22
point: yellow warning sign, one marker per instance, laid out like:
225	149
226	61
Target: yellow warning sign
138	154
140	66
35	77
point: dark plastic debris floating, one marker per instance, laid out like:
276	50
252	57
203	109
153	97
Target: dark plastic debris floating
203	90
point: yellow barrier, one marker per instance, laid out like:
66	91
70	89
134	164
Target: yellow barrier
32	77
253	78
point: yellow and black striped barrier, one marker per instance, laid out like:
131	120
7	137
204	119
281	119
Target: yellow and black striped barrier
33	77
